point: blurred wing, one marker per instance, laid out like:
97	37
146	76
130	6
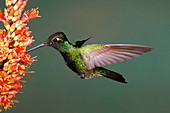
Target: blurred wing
111	53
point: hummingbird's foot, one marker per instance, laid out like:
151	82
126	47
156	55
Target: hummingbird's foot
82	76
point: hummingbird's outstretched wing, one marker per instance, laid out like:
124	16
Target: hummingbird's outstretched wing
98	55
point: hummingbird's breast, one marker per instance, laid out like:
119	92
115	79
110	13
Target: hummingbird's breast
75	61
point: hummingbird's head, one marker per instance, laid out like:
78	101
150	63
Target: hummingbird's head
57	40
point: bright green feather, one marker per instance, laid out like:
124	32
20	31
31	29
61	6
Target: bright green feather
88	49
76	56
65	47
91	48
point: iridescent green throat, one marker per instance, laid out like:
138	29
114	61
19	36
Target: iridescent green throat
65	47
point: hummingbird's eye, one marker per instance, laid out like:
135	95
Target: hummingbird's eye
56	39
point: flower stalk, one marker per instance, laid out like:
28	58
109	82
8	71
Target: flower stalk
14	60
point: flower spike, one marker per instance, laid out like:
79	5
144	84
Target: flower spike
14	60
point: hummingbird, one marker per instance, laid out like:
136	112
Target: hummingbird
86	61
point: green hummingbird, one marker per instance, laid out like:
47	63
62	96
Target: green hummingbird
86	61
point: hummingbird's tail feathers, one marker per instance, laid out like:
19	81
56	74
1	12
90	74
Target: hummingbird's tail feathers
102	72
116	76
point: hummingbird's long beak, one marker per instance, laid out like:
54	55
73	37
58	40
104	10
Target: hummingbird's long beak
36	47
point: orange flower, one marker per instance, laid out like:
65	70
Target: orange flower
14	61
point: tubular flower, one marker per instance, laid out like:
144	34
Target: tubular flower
14	60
